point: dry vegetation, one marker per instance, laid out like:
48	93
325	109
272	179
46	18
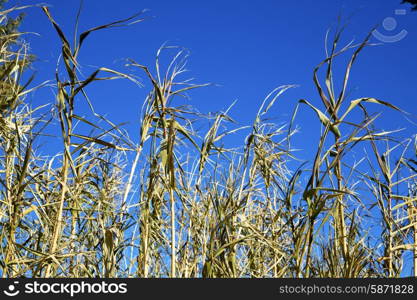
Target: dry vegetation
185	206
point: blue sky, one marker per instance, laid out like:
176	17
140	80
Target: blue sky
245	48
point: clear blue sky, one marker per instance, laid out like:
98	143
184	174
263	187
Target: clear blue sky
246	47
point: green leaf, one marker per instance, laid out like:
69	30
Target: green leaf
324	119
356	102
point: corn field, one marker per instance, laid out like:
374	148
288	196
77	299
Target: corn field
171	200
